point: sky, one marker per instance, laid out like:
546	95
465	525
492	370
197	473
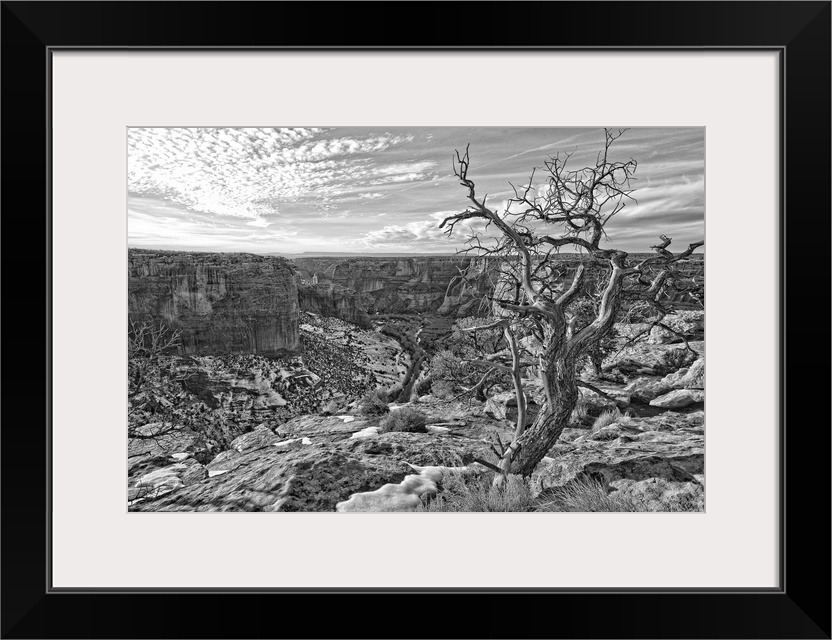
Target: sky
383	190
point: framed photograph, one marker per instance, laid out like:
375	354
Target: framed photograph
421	317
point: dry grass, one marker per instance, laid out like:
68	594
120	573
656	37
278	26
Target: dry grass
478	494
606	419
586	495
580	413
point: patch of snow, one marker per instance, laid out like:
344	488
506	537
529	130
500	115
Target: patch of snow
346	418
432	428
284	443
405	496
180	456
217	472
306	441
365	433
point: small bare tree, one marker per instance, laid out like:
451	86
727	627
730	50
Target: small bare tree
569	210
147	384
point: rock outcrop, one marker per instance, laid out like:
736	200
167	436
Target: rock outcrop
333	301
659	460
678	398
221	302
310	463
450	285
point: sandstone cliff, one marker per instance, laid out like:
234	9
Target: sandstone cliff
333	301
221	302
426	284
395	285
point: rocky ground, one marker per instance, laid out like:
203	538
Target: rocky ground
649	448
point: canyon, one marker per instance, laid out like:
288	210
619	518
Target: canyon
421	284
263	405
249	304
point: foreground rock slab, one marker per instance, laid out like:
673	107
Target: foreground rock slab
678	399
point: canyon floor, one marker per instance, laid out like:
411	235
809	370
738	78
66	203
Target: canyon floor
255	433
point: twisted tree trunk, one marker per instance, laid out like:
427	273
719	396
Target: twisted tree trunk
562	395
558	375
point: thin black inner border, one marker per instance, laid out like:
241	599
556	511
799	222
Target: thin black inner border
781	50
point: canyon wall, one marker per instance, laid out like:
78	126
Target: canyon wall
426	284
332	300
221	302
249	304
398	285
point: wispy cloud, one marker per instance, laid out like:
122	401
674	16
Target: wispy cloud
307	188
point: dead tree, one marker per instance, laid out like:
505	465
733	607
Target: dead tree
569	211
146	382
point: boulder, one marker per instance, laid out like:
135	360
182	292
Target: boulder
261	437
653	359
691	323
595	403
692	377
644	389
674	456
678	399
167	479
503	406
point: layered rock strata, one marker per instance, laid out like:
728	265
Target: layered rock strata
220	302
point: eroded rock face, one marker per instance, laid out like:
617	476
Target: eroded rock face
333	301
399	285
221	302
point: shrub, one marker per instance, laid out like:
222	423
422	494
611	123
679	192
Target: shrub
331	408
443	389
606	419
406	419
586	495
219	428
476	494
374	403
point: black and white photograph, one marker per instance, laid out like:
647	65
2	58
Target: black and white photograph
416	319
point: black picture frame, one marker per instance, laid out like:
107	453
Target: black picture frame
799	608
